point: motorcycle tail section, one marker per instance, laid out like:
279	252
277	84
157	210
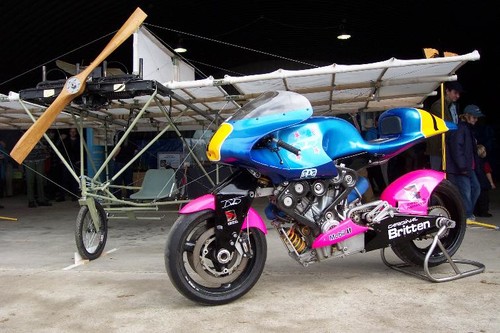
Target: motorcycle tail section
410	193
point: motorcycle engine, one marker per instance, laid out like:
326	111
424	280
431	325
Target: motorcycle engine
306	208
317	203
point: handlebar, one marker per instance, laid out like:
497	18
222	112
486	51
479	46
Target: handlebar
287	146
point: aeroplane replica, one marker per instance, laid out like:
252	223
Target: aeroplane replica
162	94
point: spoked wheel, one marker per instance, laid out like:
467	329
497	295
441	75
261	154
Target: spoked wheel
199	273
90	240
445	201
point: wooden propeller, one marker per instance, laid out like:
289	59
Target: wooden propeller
73	87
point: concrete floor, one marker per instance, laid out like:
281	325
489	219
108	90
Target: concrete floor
128	290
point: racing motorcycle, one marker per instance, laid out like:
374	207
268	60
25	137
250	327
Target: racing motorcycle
307	166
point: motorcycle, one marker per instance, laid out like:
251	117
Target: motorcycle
307	166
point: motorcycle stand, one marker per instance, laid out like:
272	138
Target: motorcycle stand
426	275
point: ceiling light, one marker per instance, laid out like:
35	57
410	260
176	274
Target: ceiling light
180	47
343	34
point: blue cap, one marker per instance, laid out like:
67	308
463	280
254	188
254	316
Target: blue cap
473	110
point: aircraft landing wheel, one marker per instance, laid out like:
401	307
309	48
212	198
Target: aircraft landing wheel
90	239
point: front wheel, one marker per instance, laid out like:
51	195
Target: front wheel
91	236
197	274
445	201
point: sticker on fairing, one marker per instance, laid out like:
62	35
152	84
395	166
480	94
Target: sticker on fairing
309	173
231	217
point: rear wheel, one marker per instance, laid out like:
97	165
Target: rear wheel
445	201
194	270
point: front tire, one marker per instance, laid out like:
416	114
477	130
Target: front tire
90	241
195	273
445	201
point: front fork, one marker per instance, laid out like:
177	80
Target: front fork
231	202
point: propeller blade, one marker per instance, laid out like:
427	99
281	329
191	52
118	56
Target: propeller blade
71	68
113	71
74	87
66	66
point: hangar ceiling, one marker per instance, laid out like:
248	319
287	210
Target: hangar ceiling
264	37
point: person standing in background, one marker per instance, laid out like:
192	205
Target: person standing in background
3	168
461	147
57	168
71	150
452	91
483	173
484	132
34	166
125	153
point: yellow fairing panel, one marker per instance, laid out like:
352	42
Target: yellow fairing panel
215	144
431	125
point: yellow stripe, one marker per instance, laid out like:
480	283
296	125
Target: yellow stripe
428	124
215	144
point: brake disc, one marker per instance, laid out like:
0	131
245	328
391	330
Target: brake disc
202	263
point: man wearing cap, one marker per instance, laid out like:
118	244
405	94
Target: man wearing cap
462	159
452	91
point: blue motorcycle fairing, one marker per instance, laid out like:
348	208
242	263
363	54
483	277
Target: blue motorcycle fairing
320	140
401	128
323	139
286	116
239	147
257	119
311	137
329	138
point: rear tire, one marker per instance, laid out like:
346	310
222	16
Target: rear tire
445	201
196	274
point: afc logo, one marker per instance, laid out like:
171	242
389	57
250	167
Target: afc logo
308	173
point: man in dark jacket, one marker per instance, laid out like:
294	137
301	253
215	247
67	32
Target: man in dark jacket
462	159
452	91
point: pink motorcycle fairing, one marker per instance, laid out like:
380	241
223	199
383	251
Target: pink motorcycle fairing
207	201
346	229
411	192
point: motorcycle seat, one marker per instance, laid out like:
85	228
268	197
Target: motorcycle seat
401	128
